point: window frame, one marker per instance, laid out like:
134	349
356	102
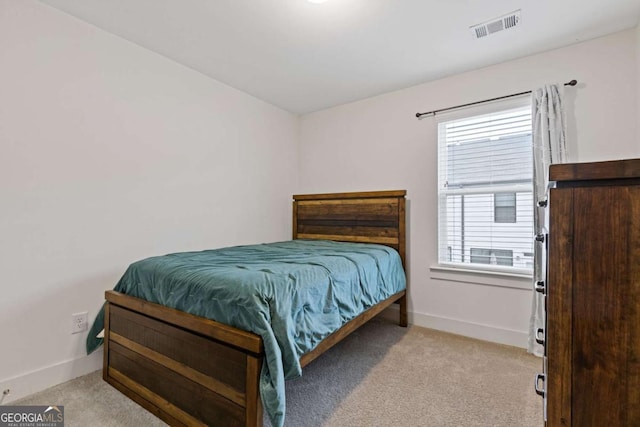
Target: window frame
443	267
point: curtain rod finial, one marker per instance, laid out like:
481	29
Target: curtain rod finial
571	83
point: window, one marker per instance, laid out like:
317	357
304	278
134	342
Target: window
504	207
485	191
491	256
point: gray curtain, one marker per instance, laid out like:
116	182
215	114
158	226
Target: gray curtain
549	146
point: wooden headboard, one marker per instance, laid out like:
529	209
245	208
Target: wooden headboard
365	217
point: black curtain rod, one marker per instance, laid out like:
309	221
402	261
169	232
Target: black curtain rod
419	115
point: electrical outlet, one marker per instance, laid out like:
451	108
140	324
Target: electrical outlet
79	322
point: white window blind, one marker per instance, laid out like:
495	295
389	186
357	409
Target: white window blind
485	172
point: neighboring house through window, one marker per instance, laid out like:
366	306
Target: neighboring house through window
485	189
504	207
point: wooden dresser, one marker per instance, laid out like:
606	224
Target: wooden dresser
592	337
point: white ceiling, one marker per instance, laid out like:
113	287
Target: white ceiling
304	57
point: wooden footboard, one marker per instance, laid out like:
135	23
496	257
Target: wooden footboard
191	371
185	369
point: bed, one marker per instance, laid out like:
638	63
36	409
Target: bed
190	370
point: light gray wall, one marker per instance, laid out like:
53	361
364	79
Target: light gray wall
111	153
378	143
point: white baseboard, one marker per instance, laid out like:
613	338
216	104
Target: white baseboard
464	328
32	382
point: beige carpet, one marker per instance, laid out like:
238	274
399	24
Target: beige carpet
382	375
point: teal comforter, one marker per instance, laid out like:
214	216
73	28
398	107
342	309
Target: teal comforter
293	294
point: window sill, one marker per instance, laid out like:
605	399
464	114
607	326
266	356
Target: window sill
482	277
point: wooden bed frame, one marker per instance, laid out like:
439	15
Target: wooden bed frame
188	370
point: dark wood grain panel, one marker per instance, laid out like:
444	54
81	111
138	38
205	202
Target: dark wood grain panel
331	228
191	397
402	233
214	359
633	310
559	299
212	329
354	210
599	353
254	411
185	371
402	250
153	403
105	353
611	170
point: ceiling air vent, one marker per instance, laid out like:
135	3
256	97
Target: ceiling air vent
505	22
